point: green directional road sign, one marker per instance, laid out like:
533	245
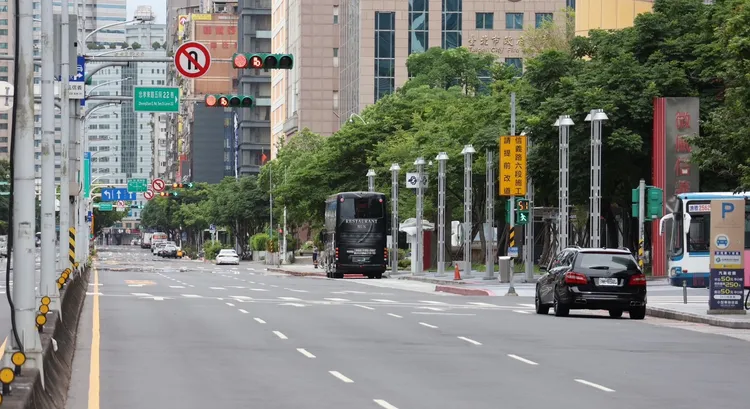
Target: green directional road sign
105	207
156	99
137	185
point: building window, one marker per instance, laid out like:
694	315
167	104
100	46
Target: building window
570	4
419	12
452	15
514	21
515	62
385	53
485	21
335	14
335	100
3	31
336	57
542	18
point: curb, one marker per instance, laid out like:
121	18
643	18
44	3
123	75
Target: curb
296	273
462	291
688	317
432	280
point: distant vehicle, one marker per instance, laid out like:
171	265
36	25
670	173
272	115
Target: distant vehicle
169	250
157	247
146	241
355	235
592	279
227	256
688	236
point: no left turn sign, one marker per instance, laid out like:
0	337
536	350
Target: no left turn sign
148	195
192	59
158	185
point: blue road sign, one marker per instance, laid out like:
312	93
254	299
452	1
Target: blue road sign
114	194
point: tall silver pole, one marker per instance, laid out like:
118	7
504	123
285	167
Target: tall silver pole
65	134
371	180
283	233
420	196
394	218
512	216
24	297
596	116
270	213
593	239
441	158
564	123
490	215
641	220
529	228
47	284
467	151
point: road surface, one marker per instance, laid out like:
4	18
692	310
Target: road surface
182	334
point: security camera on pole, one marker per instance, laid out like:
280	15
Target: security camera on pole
442	157
596	117
394	218
563	123
467	152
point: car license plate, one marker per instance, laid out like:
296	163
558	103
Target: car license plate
608	281
360	259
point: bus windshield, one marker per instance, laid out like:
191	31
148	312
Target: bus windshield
361	208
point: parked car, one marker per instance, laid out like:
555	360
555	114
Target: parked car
592	279
169	250
227	256
156	247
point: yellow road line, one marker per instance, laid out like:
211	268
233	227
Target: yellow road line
95	338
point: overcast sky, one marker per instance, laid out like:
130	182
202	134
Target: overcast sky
159	7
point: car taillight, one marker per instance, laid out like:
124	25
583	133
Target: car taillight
575	278
385	254
637	280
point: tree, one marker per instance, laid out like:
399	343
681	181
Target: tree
125	46
552	35
156	45
104	220
135	45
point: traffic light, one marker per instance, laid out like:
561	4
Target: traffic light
263	61
635	198
165	194
229	101
654	203
189	185
522	211
176	185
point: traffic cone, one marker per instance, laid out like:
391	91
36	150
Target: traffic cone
457	273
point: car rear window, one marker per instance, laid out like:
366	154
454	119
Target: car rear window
228	253
614	261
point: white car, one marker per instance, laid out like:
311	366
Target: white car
227	256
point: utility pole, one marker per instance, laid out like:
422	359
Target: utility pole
512	207
47	285
283	233
395	168
24	336
467	151
371	180
65	126
641	220
529	228
490	216
442	157
420	196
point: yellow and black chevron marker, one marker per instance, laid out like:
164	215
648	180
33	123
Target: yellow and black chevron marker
512	237
72	246
640	254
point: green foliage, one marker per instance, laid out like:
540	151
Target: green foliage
259	241
211	249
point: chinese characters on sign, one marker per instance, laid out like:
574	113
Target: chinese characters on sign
682	151
727	288
226	36
495	44
727	248
513	165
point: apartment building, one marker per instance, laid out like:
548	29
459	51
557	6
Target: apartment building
159	146
100	13
607	14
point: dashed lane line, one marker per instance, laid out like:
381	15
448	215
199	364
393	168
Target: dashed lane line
364	306
384	404
260	321
524	360
424	324
395	315
304	352
243	311
280	335
340	376
594	385
230	304
469	340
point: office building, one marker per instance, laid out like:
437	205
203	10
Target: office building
100	13
159	146
608	14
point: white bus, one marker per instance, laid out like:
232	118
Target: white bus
688	236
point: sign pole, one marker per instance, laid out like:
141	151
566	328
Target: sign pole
394	218
419	251
641	221
512	228
490	216
467	151
442	157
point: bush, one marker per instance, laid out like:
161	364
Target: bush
401	254
404	264
259	242
211	249
308	245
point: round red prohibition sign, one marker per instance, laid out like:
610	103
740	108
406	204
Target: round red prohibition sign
148	195
158	185
192	59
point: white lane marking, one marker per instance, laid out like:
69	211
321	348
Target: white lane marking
522	311
470	340
434	302
442	313
158	298
258	289
427	325
293	304
260	321
296	290
192	296
384	404
482	304
431	308
142	294
220	299
527	305
243	311
135	285
230	304
241	297
336	299
289	299
364	306
340	376
394	315
190	285
176	286
280	335
274	286
381	300
217	288
304	352
524	360
595	385
236	286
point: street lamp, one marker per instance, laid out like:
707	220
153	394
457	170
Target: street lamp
136	19
596	117
107	83
112	51
395	168
529	228
467	151
420	162
442	157
371	180
563	123
355	115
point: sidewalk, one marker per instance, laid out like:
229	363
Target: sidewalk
696	312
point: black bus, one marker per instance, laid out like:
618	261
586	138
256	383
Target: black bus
355	235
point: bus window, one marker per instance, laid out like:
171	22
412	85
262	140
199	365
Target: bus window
361	208
677	233
700	229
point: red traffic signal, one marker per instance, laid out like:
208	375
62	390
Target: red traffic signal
176	185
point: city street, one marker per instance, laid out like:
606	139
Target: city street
165	333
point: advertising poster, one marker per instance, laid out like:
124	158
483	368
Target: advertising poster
727	256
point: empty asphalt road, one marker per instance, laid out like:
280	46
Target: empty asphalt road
182	334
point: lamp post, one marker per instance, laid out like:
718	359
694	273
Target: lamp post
596	117
490	215
467	151
529	228
420	196
355	115
563	124
442	157
371	180
395	168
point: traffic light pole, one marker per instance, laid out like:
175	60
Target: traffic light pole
512	211
641	220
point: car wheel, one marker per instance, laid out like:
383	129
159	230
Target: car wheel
560	309
540	308
378	276
615	313
638	313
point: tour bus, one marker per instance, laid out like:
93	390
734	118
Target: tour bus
355	235
688	248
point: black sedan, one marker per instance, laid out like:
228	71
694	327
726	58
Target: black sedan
592	279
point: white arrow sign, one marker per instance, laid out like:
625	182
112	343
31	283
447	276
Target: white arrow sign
107	194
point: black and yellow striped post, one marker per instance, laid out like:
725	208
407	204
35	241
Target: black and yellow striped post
512	236
72	246
640	253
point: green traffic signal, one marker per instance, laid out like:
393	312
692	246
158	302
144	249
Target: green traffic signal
264	61
522	211
654	203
